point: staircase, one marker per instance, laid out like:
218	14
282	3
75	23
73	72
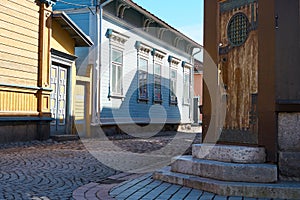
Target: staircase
229	171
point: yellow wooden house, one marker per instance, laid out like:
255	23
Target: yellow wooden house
37	69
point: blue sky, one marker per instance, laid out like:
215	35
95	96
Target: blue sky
185	16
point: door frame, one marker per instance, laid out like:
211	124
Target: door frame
65	60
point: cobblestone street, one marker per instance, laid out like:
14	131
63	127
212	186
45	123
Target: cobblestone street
47	170
58	170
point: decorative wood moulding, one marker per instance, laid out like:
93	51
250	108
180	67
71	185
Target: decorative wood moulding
48	2
143	48
173	61
186	65
147	23
121	9
158	55
116	38
18	101
161	32
176	41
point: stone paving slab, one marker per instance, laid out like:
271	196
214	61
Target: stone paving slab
257	173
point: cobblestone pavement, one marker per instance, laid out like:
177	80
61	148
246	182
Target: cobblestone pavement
47	170
61	170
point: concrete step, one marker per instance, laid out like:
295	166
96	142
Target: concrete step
281	190
229	153
257	173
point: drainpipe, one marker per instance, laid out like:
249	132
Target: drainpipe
99	19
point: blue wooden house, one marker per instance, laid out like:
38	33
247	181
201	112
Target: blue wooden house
142	67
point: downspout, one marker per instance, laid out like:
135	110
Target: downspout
98	62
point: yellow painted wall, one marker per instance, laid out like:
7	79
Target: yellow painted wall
19	47
19	33
61	39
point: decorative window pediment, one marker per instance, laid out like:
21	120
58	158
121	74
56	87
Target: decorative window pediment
158	55
116	38
173	61
143	49
186	65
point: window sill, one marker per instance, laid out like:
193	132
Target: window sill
156	101
173	103
143	100
116	96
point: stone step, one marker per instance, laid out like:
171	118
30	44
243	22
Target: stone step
257	173
229	153
280	190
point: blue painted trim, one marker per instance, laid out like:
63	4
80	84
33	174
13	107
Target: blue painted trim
170	58
183	64
25	87
137	44
9	119
108	33
153	52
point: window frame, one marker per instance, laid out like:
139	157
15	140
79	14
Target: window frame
143	51
145	80
159	78
116	42
120	66
173	63
187	71
158	59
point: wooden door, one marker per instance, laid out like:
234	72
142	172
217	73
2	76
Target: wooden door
58	99
238	65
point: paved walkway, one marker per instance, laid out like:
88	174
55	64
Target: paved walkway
145	188
66	170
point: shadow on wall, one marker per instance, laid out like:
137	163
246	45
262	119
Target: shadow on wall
132	113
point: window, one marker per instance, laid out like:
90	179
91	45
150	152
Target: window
173	79
158	60
186	87
143	79
116	62
173	85
237	29
157	83
116	71
187	67
143	51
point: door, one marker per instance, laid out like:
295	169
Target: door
238	66
58	98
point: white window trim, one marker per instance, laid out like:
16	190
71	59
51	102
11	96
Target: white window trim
187	67
116	42
143	51
158	58
173	64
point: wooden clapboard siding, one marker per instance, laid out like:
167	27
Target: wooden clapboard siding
17	58
24	75
27	6
19	51
18	43
8	64
23	14
12	80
